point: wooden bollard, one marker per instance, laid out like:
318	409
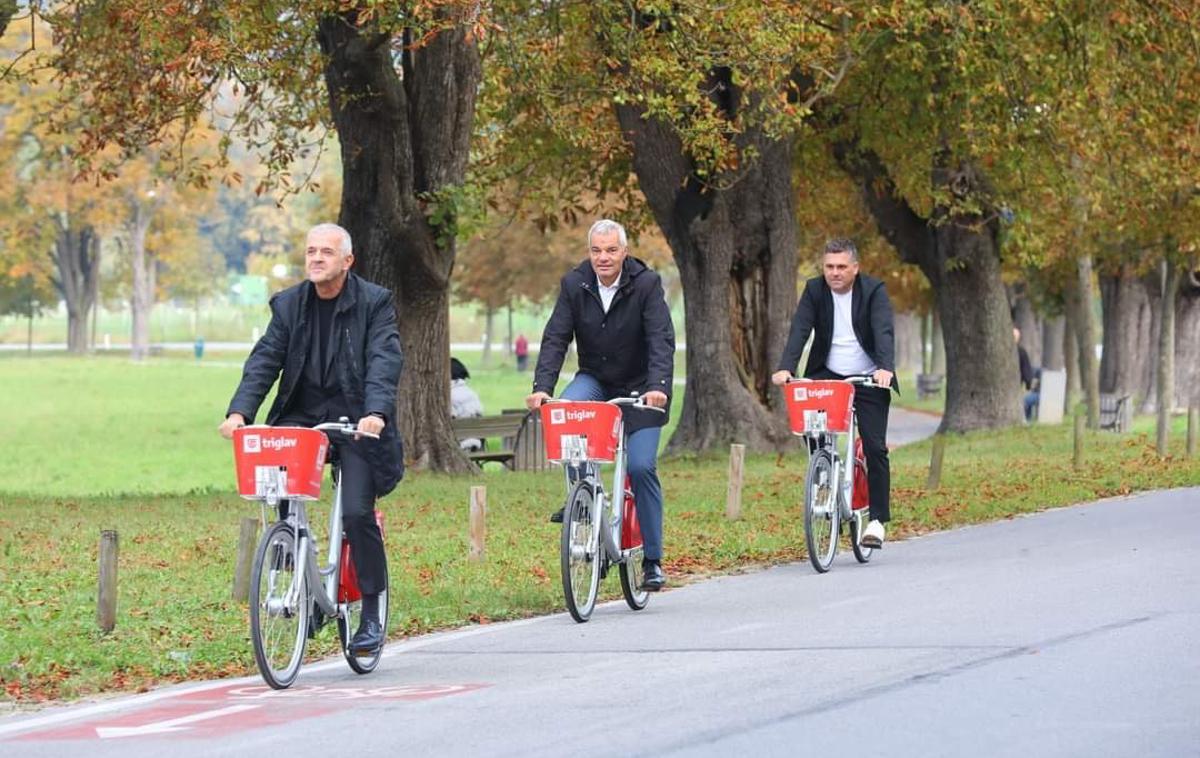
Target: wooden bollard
247	538
106	603
1192	430
936	454
1080	420
733	496
478	523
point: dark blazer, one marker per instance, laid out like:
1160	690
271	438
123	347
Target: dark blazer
872	317
629	349
366	348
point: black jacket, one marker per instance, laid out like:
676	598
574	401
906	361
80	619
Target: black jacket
366	350
629	349
871	314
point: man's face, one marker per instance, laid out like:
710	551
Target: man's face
840	271
323	262
608	255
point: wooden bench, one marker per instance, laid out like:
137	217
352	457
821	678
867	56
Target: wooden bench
1116	412
928	385
513	439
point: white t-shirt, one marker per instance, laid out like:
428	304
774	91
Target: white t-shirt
846	356
608	293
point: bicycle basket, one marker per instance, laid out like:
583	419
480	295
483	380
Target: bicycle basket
580	430
819	406
281	462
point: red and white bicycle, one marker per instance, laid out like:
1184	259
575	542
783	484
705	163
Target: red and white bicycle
822	411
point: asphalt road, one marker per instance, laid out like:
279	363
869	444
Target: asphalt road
1071	632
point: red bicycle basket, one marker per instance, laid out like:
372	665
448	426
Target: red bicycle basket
288	460
571	425
819	406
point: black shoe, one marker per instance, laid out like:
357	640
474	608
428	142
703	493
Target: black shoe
368	639
557	516
653	577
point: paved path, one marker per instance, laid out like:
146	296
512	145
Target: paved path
1071	632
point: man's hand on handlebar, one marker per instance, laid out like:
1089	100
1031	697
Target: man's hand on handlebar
231	422
534	400
882	377
780	378
655	399
372	425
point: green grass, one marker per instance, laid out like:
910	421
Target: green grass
175	619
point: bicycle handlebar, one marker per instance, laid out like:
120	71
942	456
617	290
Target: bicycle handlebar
345	428
636	402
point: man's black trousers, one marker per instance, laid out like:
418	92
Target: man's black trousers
871	406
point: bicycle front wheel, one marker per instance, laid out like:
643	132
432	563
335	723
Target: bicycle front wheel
820	511
580	561
279	607
347	625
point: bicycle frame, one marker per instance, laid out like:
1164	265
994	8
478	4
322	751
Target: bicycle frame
612	517
843	474
327	575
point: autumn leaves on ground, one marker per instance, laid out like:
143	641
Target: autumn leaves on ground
176	620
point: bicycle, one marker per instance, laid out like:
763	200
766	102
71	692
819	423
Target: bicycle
581	435
821	411
292	594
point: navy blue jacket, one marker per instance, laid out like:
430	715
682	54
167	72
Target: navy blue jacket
871	315
367	357
629	349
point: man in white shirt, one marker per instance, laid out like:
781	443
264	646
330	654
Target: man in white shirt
852	318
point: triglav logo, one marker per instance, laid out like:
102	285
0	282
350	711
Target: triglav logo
580	415
279	443
253	443
800	395
803	393
558	416
563	415
250	443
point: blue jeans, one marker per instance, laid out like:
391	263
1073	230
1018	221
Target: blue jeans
641	458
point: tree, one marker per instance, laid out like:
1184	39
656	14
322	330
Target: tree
399	80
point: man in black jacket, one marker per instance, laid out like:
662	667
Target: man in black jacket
614	308
334	337
852	317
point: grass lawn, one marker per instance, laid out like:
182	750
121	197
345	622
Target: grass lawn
109	425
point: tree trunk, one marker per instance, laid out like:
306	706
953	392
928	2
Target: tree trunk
1081	298
937	346
1166	354
1126	320
1070	358
405	142
1052	342
1026	319
141	300
489	324
735	249
1187	340
908	338
508	343
926	334
1152	286
960	256
76	255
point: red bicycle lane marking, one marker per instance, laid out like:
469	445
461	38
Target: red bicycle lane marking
217	712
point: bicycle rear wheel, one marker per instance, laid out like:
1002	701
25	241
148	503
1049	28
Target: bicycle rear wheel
580	564
820	511
347	625
278	628
862	554
632	576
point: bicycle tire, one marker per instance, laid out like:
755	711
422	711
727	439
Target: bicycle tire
821	517
278	633
347	624
632	577
862	554
580	570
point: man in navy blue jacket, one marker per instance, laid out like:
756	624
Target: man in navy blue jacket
853	322
614	308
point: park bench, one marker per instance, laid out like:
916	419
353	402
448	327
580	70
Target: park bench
514	438
1116	412
928	385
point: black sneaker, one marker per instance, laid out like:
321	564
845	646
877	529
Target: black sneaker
557	516
653	577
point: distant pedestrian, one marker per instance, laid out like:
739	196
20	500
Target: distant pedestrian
521	348
1029	378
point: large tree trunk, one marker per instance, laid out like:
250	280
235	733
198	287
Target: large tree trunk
960	256
1027	320
937	345
1187	340
735	249
405	139
141	300
1126	339
1147	383
76	255
908	342
1081	300
488	325
1171	275
1052	342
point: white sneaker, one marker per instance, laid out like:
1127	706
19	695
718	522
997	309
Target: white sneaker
873	535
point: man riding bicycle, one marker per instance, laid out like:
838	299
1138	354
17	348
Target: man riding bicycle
614	307
334	338
853	320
